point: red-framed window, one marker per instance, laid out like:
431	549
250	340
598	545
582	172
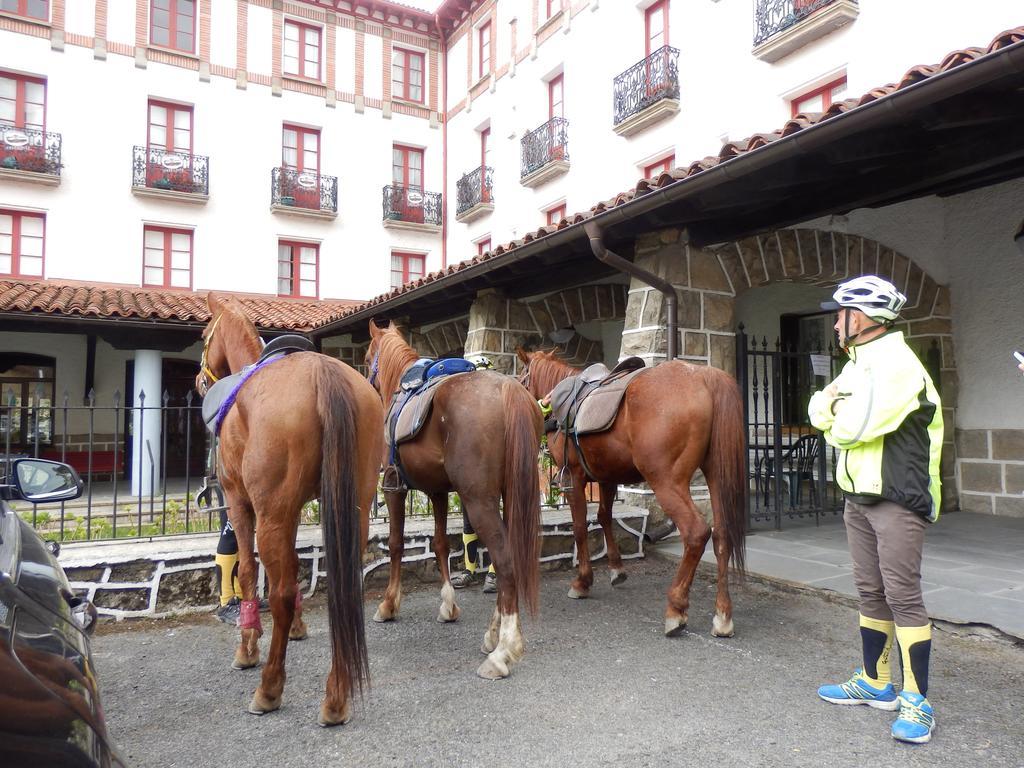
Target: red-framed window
170	127
556	214
22	101
407	69
33	9
300	148
167	257
484	49
661	166
820	98
22	243
656	26
483	246
556	93
298	269
407	167
485	156
406	267
302	46
172	24
551	7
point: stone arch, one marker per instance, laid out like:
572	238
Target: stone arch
443	339
498	324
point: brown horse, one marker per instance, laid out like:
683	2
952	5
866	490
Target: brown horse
480	440
303	427
674	419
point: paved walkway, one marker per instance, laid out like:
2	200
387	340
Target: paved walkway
973	569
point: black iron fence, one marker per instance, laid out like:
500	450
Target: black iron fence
412	205
474	188
304	189
791	469
774	16
543	145
29	149
645	83
154	168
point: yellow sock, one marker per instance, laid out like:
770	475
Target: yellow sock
915	652
467	540
228	580
876	637
490	568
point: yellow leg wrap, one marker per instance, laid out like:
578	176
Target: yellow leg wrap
876	638
915	650
467	539
490	568
228	579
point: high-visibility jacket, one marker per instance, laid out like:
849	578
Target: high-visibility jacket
888	428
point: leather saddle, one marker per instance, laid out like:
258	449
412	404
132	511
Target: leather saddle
225	390
588	402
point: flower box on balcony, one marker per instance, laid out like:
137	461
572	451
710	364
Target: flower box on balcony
159	173
783	26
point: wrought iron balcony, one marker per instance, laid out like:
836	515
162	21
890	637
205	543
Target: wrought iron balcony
412	206
546	144
474	188
29	149
645	83
306	190
774	16
159	169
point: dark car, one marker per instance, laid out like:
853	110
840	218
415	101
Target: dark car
50	713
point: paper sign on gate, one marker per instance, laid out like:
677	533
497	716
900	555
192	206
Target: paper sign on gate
821	365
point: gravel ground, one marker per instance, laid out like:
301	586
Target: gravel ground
600	685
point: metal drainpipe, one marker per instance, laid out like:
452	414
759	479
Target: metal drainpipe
593	230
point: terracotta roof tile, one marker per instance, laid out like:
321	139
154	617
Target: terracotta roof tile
108	301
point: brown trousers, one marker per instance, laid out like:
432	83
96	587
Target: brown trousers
885	543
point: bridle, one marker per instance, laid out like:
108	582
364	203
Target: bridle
209	377
375	368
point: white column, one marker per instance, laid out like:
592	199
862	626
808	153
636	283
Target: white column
146	424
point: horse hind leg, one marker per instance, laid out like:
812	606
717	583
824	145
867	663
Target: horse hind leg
580	586
247	654
604	517
388	608
505	627
449	610
298	630
694	533
508	651
721	625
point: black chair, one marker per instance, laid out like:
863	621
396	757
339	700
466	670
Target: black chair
798	463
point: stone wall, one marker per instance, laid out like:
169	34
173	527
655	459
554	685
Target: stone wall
990	470
708	281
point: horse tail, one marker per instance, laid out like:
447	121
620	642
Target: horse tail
522	502
340	523
727	465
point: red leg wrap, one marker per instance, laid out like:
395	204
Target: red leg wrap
249	616
298	599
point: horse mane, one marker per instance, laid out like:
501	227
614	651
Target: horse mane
546	370
394	355
240	340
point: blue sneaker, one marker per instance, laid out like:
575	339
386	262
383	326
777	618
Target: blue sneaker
916	721
857	690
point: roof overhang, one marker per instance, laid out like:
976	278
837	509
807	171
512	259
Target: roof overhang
952	132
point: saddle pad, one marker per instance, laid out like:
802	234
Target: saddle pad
599	408
411	413
215	397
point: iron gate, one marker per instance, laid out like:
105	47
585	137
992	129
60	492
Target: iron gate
791	469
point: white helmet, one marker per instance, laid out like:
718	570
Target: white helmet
875	297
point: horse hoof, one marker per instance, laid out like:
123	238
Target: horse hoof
674	625
579	594
618	577
382	616
243	661
298	631
259	705
721	626
330	717
492	670
447	615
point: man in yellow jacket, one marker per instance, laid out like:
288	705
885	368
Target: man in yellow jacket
884	415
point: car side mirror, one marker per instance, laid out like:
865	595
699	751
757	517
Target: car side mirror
41	481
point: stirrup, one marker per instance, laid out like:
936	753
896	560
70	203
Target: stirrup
392	482
564	480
